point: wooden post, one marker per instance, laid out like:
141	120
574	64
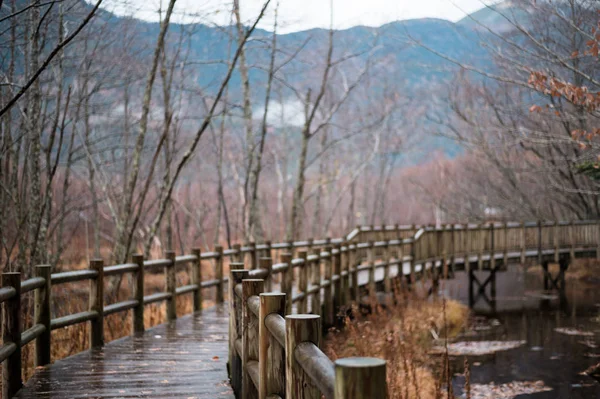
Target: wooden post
492	246
42	316
267	253
300	328
96	304
572	240
360	377
371	264
237	257
400	259
250	287
287	280
267	264
252	254
428	237
523	244
453	249
505	252
271	358
564	265
138	294
233	266
11	332
440	253
467	243
327	291
539	242
353	266
219	274
480	246
345	267
303	282
316	282
235	330
309	248
337	285
556	234
598	240
444	241
197	279
387	282
471	274
372	283
546	278
171	280
413	253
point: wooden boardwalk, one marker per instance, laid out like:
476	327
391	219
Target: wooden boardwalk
187	357
183	359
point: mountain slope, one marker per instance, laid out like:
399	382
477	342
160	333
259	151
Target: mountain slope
401	52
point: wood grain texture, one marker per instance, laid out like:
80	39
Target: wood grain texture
360	378
250	288
271	357
300	328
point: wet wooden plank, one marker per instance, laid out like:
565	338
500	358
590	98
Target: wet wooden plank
183	359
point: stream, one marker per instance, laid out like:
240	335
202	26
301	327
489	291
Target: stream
547	358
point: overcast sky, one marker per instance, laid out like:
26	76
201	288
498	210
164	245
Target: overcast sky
295	15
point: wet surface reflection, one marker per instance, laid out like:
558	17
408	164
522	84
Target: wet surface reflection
525	312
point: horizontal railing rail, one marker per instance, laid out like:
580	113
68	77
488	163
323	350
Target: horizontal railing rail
324	276
274	354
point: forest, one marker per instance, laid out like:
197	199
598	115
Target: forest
120	135
361	176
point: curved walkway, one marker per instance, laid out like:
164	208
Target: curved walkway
183	359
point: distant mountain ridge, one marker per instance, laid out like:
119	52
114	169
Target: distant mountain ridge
395	43
400	49
498	18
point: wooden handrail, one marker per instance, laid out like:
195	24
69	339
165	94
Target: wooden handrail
327	276
272	356
317	366
430	250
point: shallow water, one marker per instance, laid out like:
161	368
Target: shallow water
526	313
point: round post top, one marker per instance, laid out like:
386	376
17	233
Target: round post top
360	362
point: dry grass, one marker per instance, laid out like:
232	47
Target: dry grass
402	334
586	270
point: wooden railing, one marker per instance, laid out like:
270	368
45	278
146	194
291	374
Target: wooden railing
276	354
12	289
322	279
495	243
